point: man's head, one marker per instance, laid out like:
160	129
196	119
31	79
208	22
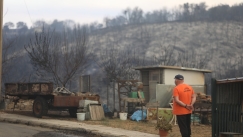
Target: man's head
179	79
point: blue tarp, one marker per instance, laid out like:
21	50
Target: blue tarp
137	115
106	109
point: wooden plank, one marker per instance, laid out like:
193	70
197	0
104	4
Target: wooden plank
133	99
101	112
225	134
96	112
155	104
91	113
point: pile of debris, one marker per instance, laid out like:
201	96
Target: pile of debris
203	98
202	108
62	91
203	103
15	103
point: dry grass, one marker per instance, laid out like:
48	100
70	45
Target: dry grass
146	127
126	124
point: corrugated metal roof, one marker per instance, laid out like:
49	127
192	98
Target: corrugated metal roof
171	67
230	80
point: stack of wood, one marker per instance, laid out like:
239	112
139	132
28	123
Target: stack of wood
19	104
85	94
203	98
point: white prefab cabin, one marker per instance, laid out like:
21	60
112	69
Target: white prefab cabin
158	81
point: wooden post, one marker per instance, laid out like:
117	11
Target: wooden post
114	94
107	93
119	96
1	42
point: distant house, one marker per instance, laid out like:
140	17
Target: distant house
158	81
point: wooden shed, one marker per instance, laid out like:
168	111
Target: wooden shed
158	81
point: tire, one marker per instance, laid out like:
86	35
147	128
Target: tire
40	107
72	112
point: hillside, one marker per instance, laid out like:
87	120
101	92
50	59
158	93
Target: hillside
209	45
220	40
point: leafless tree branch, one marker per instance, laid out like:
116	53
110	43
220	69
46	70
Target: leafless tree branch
59	57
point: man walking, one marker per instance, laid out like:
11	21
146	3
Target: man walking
183	100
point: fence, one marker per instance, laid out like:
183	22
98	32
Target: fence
227	106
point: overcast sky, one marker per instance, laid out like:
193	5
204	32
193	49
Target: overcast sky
85	11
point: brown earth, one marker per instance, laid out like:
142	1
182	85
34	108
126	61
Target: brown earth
25	108
198	130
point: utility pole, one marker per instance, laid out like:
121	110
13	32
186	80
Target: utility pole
1	42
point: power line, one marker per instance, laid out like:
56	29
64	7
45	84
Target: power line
5	13
28	11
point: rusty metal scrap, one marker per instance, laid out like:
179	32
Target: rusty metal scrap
71	101
62	97
62	91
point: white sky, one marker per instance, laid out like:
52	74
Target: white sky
85	11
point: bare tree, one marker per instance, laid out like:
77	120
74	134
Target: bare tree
229	68
9	55
59	57
190	58
127	15
118	64
133	16
8	25
165	56
107	22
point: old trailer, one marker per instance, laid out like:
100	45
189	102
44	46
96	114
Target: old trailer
45	97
